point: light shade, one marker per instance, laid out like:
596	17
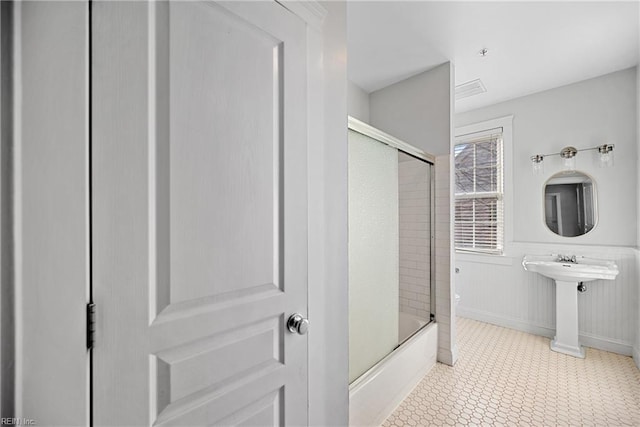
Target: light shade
569	163
568	155
605	152
537	163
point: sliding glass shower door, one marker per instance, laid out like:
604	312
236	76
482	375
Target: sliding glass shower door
390	217
373	252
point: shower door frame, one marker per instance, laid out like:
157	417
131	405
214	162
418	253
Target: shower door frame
383	137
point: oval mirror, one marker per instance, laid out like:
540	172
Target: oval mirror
570	204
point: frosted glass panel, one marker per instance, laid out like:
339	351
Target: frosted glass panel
373	252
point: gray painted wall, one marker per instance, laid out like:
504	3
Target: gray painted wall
417	110
583	115
357	102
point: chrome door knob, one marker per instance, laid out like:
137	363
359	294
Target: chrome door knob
298	324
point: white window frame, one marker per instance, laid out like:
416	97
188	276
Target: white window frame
506	123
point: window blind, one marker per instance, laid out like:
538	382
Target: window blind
479	207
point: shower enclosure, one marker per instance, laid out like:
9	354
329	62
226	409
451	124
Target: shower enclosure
391	295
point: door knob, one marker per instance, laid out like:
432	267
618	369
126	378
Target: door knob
298	324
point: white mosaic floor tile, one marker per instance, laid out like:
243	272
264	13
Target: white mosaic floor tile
505	377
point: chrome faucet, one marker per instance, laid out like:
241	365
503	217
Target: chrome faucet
567	258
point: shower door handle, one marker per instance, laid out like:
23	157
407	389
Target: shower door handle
297	324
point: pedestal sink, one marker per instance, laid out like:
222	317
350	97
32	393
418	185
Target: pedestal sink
569	272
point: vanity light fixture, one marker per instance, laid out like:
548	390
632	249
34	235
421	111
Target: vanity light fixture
537	162
568	155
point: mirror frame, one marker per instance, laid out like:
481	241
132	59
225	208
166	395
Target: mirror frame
596	216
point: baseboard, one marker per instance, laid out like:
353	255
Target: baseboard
447	356
606	344
506	322
454	354
601	343
636	356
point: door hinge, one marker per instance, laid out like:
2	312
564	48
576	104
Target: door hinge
91	325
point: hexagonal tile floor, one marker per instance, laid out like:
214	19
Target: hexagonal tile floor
506	377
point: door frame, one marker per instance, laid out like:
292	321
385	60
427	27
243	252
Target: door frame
45	212
327	168
555	197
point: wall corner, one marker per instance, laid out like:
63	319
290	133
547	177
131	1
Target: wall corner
328	250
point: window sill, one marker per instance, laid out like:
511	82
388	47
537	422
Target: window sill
483	258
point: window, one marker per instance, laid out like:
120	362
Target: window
479	211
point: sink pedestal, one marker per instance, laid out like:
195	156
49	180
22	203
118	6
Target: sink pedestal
566	339
567	274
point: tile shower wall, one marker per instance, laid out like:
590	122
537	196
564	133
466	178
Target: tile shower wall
414	183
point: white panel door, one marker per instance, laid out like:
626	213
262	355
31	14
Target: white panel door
199	189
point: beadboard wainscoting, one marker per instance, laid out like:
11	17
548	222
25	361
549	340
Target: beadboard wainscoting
498	290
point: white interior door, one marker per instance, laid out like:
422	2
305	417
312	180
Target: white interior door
553	212
199	215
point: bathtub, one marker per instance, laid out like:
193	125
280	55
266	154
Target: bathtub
407	325
377	393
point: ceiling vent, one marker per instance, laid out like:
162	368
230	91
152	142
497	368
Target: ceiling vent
474	87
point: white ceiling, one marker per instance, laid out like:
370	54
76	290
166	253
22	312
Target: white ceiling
533	46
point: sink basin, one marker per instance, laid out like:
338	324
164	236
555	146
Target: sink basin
567	275
583	270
